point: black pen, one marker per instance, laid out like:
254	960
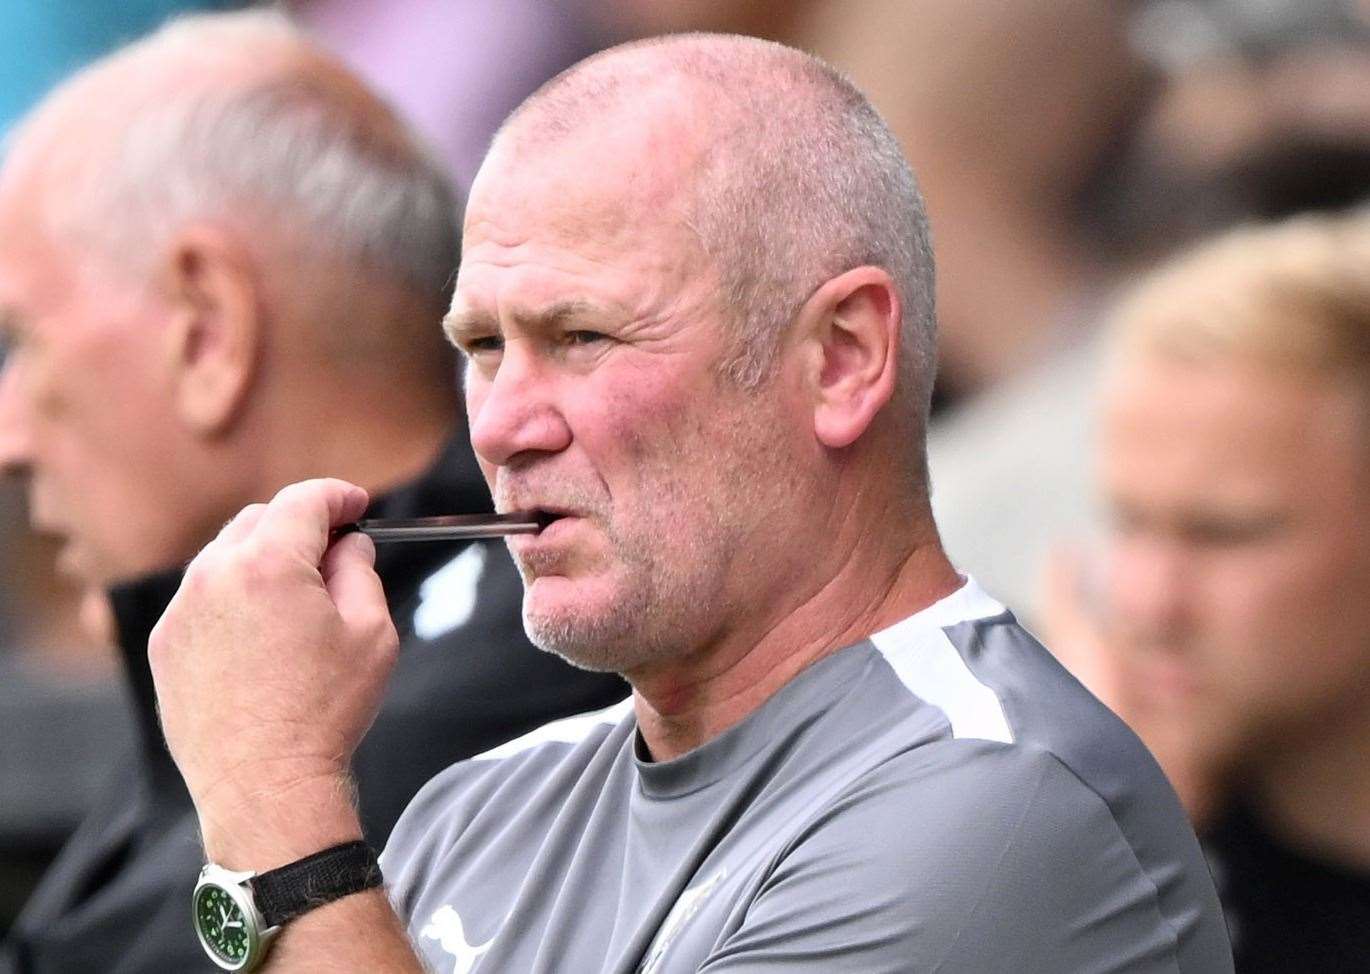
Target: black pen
447	527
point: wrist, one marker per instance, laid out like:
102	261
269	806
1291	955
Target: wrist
261	828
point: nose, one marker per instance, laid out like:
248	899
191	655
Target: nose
15	433
1148	590
513	411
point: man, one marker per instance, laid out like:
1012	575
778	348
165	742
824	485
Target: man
1237	469
221	266
696	310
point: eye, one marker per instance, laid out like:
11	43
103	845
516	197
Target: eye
10	343
1233	532
482	344
583	336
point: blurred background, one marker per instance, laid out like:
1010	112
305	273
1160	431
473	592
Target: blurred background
1064	146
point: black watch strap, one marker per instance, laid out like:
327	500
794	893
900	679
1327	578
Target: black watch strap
283	894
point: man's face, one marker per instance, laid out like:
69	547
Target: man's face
80	411
1241	557
593	332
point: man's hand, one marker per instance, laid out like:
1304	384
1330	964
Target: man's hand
270	664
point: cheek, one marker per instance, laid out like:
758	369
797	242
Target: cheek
1279	622
632	432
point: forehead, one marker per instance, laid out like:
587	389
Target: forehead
57	291
618	173
1210	430
31	273
607	208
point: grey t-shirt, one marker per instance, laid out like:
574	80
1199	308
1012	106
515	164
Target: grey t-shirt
941	797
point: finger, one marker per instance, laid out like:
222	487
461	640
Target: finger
242	523
300	517
349	575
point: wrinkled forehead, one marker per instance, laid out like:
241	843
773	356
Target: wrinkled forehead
580	232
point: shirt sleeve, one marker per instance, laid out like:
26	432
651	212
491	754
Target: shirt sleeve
969	857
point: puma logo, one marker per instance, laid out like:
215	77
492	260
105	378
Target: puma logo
446	928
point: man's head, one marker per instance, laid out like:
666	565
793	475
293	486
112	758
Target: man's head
204	240
694	268
1236	460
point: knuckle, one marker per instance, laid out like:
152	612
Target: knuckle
382	635
157	642
200	572
255	563
237	522
294	493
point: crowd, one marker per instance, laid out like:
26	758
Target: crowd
695	328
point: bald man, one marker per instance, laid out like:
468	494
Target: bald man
695	308
222	264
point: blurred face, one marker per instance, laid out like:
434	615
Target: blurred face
81	416
590	324
1241	558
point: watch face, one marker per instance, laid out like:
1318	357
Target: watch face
222	926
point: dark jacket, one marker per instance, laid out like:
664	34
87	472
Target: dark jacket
117	899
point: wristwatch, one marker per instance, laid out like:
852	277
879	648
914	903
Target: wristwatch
237	914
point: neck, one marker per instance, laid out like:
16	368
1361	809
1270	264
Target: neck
683	704
1317	796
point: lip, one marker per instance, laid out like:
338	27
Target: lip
68	560
1174	679
548	513
49	531
559	523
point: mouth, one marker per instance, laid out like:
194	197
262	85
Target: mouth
67	558
553	523
548	516
544	514
1173	678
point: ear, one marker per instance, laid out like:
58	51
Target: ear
215	337
851	328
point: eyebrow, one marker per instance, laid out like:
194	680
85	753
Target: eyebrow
463	322
9	323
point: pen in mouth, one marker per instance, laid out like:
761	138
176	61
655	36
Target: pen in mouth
448	527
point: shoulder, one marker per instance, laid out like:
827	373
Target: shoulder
973	855
956	808
566	746
1036	820
521	780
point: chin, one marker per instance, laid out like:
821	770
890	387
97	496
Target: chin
610	640
613	621
589	643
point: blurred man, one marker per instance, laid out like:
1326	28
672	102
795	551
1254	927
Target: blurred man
222	262
696	310
1236	460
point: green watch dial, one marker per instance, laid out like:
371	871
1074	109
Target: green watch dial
222	925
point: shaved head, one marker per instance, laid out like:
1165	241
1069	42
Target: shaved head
795	179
